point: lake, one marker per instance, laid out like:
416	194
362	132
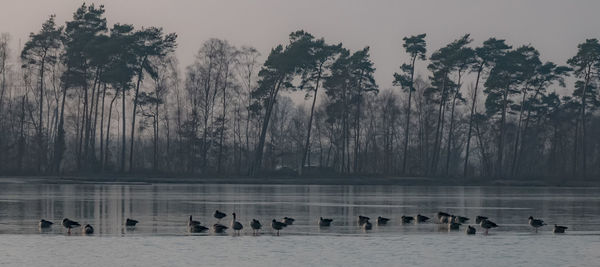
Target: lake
161	237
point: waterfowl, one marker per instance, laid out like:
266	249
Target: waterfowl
197	228
470	230
288	221
362	220
422	218
460	219
255	224
219	228
219	215
132	223
478	219
382	220
442	217
45	224
536	223
88	229
277	225
192	222
69	224
453	226
407	219
235	225
487	224
325	222
367	226
559	229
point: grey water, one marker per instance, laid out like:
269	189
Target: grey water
163	209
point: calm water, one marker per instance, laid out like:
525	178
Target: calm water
161	238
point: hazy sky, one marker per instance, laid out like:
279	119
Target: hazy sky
554	27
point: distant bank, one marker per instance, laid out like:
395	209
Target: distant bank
289	180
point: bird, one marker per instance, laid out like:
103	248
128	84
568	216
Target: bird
69	224
487	224
235	225
45	224
442	217
255	224
407	219
219	215
478	219
192	222
362	220
460	219
367	226
196	228
470	230
325	222
453	226
536	223
421	218
277	225
288	221
87	229
219	228
382	220
559	229
131	222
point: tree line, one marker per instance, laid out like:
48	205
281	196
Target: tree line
85	98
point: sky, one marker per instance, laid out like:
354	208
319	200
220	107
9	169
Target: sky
554	27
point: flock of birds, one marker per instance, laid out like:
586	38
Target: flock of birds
453	223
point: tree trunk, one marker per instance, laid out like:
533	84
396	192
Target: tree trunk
406	130
312	110
473	107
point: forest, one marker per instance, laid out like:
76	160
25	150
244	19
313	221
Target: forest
89	98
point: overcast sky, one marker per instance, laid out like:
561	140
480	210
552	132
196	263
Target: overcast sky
554	27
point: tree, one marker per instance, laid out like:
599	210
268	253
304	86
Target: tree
415	47
586	63
41	52
276	74
312	71
149	43
486	55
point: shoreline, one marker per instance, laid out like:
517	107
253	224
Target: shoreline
288	180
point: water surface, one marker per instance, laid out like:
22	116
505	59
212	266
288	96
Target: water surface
162	239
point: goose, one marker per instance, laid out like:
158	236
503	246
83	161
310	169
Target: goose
131	222
407	219
362	220
325	222
219	228
470	230
87	229
559	229
69	224
255	224
367	226
382	220
277	225
460	219
219	215
235	225
487	224
453	226
192	222
478	219
288	220
442	217
536	223
197	228
45	224
421	218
